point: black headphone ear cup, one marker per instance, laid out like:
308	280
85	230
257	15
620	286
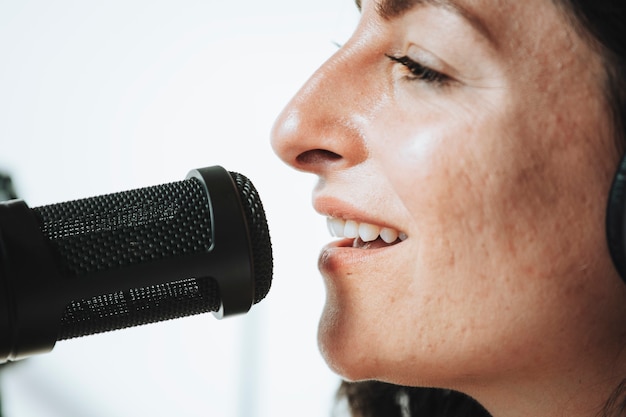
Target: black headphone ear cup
616	219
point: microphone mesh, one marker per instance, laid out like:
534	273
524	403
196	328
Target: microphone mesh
259	236
122	229
101	234
139	306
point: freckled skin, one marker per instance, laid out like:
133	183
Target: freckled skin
504	288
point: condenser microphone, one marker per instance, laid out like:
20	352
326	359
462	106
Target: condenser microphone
130	258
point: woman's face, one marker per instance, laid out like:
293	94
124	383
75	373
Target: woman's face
476	131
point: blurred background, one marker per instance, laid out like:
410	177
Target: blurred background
99	97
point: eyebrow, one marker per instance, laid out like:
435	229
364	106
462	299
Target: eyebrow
389	9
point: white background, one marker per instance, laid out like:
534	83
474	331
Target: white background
106	96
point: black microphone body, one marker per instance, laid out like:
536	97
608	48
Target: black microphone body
130	258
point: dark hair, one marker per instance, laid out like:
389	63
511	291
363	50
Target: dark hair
379	399
603	24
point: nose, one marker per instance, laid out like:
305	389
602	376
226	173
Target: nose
322	128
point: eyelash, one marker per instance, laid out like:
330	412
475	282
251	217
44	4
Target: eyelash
419	72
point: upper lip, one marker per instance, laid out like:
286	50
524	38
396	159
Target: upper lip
334	207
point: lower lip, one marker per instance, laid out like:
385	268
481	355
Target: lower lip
341	254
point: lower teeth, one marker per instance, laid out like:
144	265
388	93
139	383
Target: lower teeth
374	244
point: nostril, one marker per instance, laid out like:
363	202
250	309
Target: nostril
317	157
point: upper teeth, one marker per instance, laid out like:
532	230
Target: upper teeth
367	232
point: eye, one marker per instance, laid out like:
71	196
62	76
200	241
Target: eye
417	71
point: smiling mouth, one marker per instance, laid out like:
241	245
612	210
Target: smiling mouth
364	235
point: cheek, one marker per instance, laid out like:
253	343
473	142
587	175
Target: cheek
486	196
496	203
446	185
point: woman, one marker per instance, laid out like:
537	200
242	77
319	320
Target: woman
465	150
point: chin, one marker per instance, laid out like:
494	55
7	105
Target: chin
343	352
355	352
349	351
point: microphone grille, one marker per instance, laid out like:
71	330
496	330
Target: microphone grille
259	235
103	234
130	227
109	232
